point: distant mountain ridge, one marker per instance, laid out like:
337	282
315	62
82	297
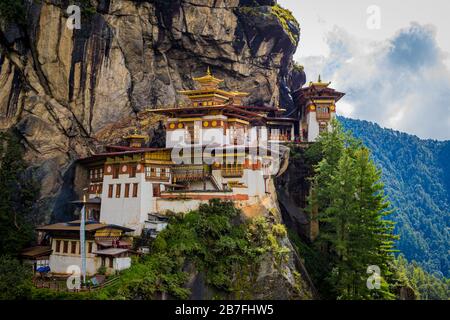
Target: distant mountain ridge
416	174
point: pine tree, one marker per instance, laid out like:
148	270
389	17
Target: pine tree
352	210
18	197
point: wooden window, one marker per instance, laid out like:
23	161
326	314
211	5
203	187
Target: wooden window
110	190
127	190
58	246
116	169
163	173
90	245
133	171
66	247
73	247
118	190
135	190
156	190
111	262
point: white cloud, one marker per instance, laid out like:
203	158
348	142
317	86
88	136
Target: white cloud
402	83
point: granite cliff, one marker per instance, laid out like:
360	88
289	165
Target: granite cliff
66	92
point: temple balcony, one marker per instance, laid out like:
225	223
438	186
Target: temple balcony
157	173
201	195
155	176
186	175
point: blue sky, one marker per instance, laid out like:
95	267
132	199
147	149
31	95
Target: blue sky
397	75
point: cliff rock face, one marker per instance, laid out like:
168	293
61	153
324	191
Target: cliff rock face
65	92
292	188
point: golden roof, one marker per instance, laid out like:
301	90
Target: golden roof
208	79
209	86
219	92
319	83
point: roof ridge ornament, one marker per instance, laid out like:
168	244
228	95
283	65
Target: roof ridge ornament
319	82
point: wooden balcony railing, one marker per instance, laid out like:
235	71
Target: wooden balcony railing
323	115
280	137
232	173
153	176
190	175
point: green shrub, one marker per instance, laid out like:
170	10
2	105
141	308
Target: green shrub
15	279
101	270
12	11
286	18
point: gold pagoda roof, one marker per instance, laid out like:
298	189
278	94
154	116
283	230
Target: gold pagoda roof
208	79
319	83
209	86
215	91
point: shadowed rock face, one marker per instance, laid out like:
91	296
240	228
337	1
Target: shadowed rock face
62	89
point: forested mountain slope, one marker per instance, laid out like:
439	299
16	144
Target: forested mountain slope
416	174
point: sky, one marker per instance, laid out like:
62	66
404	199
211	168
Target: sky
391	58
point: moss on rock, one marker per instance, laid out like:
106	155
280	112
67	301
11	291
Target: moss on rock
288	22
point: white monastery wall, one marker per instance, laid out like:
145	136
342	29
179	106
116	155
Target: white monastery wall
132	211
313	126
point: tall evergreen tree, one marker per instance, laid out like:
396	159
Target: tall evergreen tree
18	197
352	208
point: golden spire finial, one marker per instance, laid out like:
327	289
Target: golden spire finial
320	79
208	71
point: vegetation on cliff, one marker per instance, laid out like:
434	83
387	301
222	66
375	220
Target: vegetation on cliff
288	22
425	285
12	11
15	279
284	16
18	197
